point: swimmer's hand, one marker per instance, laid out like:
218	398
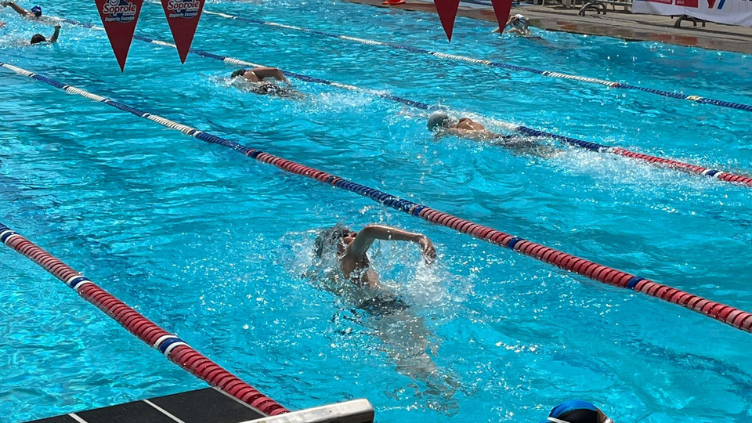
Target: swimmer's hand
428	250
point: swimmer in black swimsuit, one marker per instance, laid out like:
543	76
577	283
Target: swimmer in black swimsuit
259	81
402	330
441	124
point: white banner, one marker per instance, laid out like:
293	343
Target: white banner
732	12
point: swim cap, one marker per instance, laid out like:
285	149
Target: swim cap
38	38
239	72
37	11
575	411
437	119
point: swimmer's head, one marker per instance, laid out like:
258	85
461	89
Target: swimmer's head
37	11
333	237
38	38
239	72
438	120
575	411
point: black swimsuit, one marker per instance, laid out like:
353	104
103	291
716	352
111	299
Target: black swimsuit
383	305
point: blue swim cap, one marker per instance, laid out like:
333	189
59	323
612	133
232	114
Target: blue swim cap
576	411
37	10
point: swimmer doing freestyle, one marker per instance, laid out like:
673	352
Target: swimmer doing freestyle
264	81
403	331
442	124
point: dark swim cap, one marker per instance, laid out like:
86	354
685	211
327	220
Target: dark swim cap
239	72
37	11
575	411
38	38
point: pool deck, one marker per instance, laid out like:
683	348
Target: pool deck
210	405
625	25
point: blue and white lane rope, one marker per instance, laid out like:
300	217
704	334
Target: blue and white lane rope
658	161
493	64
727	314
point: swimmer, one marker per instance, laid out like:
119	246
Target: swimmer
352	248
575	411
258	81
39	38
34	13
403	332
519	25
441	123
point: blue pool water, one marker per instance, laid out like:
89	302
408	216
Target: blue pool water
217	248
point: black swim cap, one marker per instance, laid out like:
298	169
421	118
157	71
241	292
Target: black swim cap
239	72
38	38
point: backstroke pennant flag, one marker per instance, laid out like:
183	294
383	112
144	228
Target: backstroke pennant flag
502	9
447	13
183	17
119	18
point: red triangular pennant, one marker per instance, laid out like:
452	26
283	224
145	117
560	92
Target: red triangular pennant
183	17
447	13
502	9
119	18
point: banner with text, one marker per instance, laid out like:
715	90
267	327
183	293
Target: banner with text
119	18
732	12
183	17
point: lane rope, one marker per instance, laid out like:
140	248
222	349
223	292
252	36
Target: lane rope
170	345
592	146
493	64
727	314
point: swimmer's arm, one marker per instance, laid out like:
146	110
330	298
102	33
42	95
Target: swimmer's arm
267	72
53	39
370	233
21	11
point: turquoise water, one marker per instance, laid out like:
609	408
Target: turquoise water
217	248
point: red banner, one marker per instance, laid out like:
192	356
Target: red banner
447	13
183	17
119	18
502	9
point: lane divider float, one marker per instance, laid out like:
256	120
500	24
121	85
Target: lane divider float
493	64
727	314
170	345
654	160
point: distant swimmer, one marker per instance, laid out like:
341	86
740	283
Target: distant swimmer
351	249
34	13
441	124
519	24
265	81
39	38
575	411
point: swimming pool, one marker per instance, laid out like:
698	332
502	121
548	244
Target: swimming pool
216	248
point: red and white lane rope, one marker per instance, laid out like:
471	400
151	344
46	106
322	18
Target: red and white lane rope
172	347
732	316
